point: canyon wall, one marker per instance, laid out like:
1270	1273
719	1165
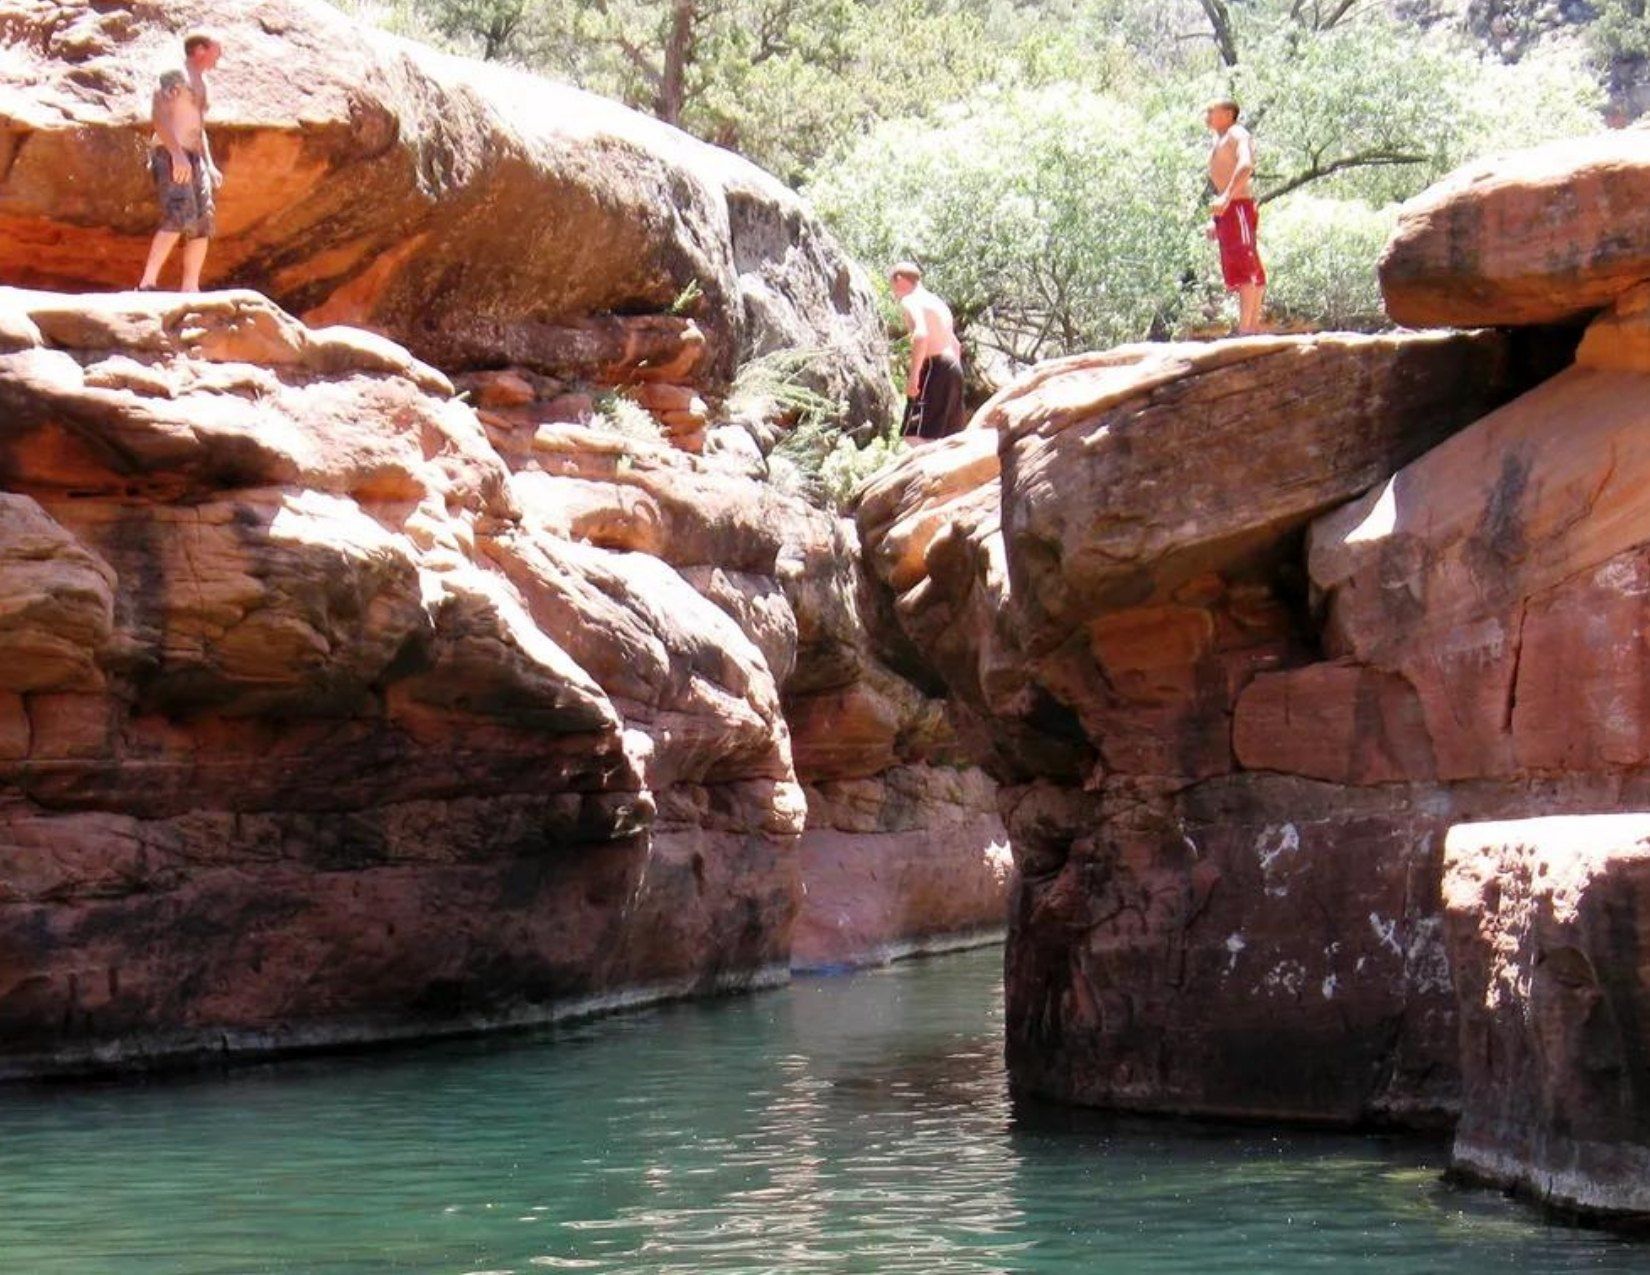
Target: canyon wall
1246	629
345	697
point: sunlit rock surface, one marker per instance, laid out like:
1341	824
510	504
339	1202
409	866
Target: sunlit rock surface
478	215
1534	236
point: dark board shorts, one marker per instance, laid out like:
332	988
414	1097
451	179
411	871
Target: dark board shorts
186	208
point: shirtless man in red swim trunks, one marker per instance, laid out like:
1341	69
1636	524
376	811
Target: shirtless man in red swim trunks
1237	219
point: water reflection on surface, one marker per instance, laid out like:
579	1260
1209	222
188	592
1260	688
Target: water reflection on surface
857	1125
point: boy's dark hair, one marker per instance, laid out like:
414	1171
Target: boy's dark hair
195	41
1225	104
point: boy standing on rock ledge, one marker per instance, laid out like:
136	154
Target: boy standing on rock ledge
1237	217
934	387
181	161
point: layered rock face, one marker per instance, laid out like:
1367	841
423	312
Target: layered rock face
1246	629
339	705
1547	926
480	216
317	729
904	849
319	721
1101	605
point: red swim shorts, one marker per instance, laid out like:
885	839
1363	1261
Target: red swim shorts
1237	228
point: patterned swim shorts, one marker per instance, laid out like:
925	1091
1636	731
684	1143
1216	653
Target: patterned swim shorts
186	208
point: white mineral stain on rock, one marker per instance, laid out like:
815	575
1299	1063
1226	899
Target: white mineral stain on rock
1272	845
1287	977
1426	962
1386	933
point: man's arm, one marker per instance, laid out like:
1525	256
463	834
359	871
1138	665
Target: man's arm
917	322
214	174
161	116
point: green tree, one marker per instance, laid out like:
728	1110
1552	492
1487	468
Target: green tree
1058	219
1322	255
1621	31
1054	220
1044	157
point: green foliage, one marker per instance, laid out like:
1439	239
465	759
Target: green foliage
1321	254
1052	219
819	463
814	458
688	299
849	467
616	414
1045	159
777	386
497	26
1621	32
1057	219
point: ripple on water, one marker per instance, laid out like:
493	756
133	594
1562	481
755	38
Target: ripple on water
856	1125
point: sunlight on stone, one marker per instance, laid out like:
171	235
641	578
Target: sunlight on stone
1382	520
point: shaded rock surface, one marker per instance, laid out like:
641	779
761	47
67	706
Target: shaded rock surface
1246	629
321	721
480	216
1546	924
1229	833
905	849
913	860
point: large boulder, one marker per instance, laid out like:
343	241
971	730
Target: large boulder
311	731
1092	567
478	215
1099	570
1537	236
1546	923
1473	601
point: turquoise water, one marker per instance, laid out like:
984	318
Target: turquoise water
850	1125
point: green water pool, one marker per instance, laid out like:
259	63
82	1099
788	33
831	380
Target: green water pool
854	1124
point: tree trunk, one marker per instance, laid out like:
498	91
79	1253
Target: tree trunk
672	96
1220	20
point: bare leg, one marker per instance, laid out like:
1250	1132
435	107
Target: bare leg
194	257
1251	306
159	251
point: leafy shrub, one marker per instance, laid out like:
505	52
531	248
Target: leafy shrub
616	414
814	458
1321	255
1052	219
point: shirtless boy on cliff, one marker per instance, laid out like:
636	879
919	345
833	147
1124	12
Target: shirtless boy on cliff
181	161
1237	218
934	387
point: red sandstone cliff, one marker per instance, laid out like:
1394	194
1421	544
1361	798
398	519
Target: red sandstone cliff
335	705
1245	629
